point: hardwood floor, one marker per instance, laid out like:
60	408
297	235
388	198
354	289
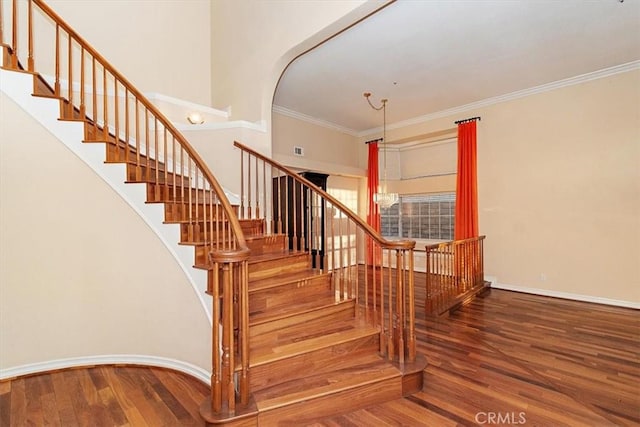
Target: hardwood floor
505	358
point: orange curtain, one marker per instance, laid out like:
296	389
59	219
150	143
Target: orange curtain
466	222
373	180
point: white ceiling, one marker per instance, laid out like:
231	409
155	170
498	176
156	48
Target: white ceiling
427	56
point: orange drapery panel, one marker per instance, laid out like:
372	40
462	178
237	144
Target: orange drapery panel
466	222
373	181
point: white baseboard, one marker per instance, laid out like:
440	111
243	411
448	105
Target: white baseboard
563	295
111	359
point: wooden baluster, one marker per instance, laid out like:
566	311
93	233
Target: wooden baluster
340	245
383	332
428	291
196	189
286	211
279	187
296	242
83	113
147	145
333	249
70	75
241	184
94	88
244	376
127	125
267	208
399	315
116	118
56	86
30	62
105	106
349	289
174	173
249	210
412	309
190	196
165	158
257	211
183	199
138	148
156	155
14	36
389	287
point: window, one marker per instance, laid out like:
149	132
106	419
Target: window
424	216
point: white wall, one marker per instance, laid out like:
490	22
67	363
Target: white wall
160	46
559	187
81	275
253	41
325	150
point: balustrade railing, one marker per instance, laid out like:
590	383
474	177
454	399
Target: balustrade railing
375	272
453	270
155	152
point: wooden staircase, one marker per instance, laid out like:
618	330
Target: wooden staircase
310	349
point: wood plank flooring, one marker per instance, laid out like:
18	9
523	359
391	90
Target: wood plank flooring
505	358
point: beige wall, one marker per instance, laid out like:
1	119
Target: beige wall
325	150
160	46
253	41
81	274
559	187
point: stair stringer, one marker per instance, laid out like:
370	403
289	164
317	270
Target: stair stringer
19	87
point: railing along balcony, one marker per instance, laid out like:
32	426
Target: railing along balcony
155	152
455	271
376	273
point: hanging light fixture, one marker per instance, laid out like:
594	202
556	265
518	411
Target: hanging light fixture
383	198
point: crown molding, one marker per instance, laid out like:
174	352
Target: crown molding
582	78
319	122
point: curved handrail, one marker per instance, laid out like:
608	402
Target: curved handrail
387	244
208	175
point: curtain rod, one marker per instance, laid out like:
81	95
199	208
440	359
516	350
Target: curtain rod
468	120
373	140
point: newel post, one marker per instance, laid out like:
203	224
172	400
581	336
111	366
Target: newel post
228	286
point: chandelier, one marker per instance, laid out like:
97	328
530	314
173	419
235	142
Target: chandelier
383	198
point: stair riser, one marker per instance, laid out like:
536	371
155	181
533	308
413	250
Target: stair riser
308	412
318	361
179	212
302	290
260	245
194	233
343	311
167	192
272	244
260	270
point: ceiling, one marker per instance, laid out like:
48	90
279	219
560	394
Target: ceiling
427	56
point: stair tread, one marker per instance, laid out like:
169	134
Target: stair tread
289	309
282	279
354	372
247	238
306	337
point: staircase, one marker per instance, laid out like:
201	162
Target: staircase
293	343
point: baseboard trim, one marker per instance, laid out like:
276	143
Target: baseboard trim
566	295
110	359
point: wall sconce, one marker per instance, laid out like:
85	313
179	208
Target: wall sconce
195	119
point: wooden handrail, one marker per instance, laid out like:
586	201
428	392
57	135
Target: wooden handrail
223	200
387	244
453	242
